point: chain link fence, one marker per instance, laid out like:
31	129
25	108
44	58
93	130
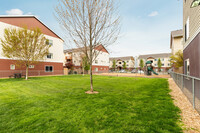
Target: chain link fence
190	86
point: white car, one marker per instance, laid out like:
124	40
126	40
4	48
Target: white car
122	71
140	71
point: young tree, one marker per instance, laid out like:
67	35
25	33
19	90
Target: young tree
114	65
89	23
27	46
124	65
177	59
159	63
141	64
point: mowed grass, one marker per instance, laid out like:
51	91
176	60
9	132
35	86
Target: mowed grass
60	105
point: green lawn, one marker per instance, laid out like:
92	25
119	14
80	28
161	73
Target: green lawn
60	105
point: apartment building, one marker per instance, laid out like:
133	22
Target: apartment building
191	43
100	64
176	44
53	64
164	57
129	60
176	41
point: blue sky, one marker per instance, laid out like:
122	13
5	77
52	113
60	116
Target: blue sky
146	25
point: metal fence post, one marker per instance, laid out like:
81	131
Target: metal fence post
182	82
193	90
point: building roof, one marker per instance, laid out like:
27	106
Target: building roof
99	48
174	34
122	58
29	21
177	33
161	55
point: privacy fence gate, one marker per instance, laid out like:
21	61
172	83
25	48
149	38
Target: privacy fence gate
190	86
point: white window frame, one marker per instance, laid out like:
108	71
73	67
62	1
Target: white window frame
51	56
50	42
187	68
187	30
12	67
31	66
48	66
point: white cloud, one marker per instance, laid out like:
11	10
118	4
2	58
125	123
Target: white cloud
14	12
17	12
153	14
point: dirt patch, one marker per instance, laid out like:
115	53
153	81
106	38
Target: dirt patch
189	116
91	92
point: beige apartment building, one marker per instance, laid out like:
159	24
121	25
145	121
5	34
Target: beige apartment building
164	57
176	42
99	65
130	62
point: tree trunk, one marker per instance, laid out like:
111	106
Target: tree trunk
26	72
83	71
91	80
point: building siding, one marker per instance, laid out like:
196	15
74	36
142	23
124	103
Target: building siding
194	20
193	54
39	68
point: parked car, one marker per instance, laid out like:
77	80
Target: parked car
140	71
134	71
122	71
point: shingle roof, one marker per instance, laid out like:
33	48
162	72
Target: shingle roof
29	21
121	58
177	33
98	47
162	55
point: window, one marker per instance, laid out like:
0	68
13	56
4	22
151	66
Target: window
163	59
168	64
50	56
127	61
48	68
96	61
155	64
195	3
49	42
96	69
163	64
12	67
155	59
187	29
31	66
187	67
